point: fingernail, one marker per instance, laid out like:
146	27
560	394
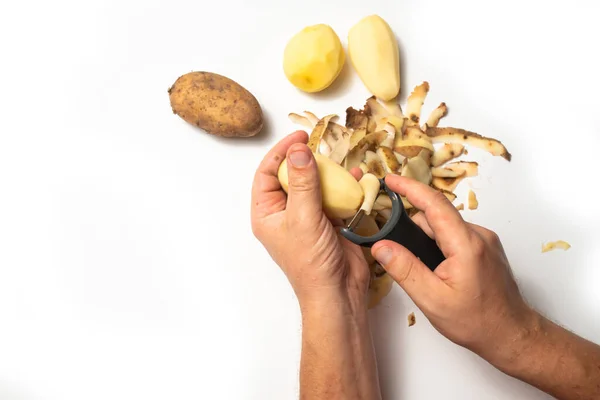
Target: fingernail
384	255
299	158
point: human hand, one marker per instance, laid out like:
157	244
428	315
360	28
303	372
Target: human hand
320	264
471	297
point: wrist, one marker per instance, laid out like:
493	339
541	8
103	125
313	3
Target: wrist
333	302
554	360
338	356
515	347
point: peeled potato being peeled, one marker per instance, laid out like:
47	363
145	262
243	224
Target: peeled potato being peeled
342	194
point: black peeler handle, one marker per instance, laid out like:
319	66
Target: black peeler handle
401	229
411	236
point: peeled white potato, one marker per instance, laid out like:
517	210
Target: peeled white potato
373	51
342	195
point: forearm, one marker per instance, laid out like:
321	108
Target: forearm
338	358
556	361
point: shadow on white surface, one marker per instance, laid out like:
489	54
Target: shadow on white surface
388	338
404	89
260	140
10	392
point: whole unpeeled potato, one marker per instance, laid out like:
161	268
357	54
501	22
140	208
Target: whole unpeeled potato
216	104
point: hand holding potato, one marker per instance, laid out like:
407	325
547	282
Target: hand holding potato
320	264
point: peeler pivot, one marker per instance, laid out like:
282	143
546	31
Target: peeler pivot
401	229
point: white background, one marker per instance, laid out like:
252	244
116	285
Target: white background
128	269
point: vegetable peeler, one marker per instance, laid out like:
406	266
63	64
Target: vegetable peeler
401	229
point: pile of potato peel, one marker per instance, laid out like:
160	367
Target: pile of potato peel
382	138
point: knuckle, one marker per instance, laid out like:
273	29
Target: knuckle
302	183
493	237
487	235
438	198
478	247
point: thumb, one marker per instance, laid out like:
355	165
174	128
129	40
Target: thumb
304	189
418	281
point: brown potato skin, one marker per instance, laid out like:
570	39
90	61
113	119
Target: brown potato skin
216	104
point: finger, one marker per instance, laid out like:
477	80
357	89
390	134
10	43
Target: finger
418	281
304	202
337	222
421	221
451	231
267	195
356	173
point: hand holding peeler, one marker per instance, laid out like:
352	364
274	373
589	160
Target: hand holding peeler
401	229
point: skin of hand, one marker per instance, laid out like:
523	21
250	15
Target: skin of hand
328	274
318	262
473	300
